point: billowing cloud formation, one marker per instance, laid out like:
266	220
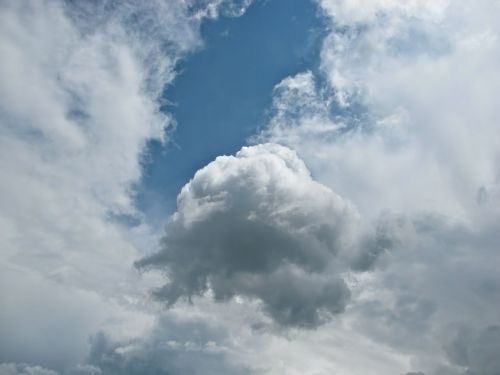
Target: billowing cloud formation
256	224
401	120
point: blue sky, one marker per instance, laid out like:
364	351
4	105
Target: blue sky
224	90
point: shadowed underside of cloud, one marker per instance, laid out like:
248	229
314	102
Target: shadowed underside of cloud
256	224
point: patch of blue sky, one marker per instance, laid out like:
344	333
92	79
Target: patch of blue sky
224	91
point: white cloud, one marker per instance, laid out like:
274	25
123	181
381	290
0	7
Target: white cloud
79	88
23	369
402	122
404	112
256	224
403	119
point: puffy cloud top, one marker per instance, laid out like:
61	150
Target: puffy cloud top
256	224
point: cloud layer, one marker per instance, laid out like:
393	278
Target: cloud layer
386	243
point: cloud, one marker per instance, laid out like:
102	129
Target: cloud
400	119
47	323
79	87
477	351
174	346
383	102
23	369
256	224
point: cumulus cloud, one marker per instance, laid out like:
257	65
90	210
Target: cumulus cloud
401	121
256	224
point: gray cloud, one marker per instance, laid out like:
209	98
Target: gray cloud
476	350
23	369
388	232
419	166
439	275
256	224
173	347
79	88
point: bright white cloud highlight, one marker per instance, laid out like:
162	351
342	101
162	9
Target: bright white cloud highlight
403	118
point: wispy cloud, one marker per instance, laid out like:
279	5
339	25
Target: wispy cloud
80	85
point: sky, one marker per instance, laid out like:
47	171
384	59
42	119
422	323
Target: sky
249	187
224	88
